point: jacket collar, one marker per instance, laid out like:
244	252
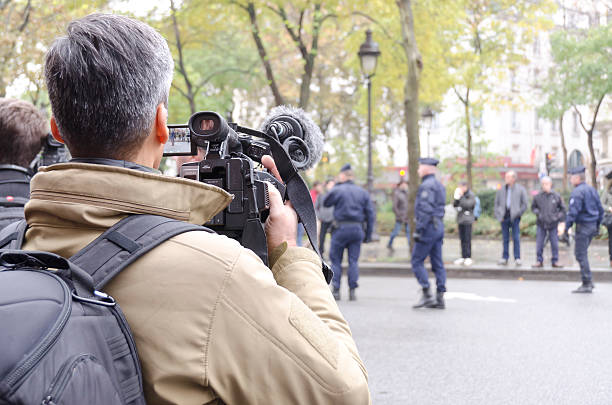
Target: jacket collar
428	176
93	195
116	163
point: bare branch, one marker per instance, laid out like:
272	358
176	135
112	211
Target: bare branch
382	27
580	118
597	111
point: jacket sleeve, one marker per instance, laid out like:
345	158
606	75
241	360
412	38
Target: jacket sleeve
562	209
294	345
524	200
395	201
534	206
497	205
332	198
426	207
575	206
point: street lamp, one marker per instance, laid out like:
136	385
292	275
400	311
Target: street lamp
368	56
427	117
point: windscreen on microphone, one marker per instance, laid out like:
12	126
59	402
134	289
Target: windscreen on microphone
298	134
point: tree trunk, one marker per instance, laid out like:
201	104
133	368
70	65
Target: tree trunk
468	133
181	68
564	149
411	102
278	98
593	160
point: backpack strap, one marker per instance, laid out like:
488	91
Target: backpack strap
13	235
125	242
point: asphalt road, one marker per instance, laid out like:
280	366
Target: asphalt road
498	342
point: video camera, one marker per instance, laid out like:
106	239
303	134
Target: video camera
52	152
231	155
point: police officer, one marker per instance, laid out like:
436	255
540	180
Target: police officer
429	211
352	208
586	211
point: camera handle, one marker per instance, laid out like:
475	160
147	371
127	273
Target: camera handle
297	191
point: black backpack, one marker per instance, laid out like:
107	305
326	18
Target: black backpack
62	340
14	193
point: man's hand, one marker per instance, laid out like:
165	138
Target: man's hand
281	225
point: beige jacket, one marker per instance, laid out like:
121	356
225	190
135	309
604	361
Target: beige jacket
210	320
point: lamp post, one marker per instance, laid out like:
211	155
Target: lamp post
427	117
368	56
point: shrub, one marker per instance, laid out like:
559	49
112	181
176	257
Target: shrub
487	201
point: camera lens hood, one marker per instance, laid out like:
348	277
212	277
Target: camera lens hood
298	151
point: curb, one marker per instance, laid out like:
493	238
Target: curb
486	272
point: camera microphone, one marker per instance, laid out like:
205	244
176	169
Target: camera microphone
298	133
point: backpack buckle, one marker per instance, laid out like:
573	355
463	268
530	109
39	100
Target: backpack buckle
104	299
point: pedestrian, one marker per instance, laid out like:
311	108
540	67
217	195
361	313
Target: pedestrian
429	235
606	202
510	204
400	209
586	211
465	203
549	209
352	213
324	214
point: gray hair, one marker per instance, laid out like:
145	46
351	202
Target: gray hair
106	78
546	178
512	173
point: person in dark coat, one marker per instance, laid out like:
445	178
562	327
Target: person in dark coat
549	209
352	209
465	202
400	209
429	234
586	211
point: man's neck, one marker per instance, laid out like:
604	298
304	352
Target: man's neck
116	163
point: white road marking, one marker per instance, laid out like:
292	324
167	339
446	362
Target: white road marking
476	297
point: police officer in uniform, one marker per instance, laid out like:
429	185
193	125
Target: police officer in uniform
352	209
586	211
429	211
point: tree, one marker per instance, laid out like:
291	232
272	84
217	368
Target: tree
27	29
302	21
557	103
584	69
411	98
207	73
488	41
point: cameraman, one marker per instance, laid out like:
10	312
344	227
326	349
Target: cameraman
211	322
23	128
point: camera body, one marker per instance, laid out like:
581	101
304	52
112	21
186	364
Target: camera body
230	163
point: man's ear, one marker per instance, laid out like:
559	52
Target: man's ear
161	124
55	132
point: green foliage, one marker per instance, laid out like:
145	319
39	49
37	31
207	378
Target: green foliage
487	202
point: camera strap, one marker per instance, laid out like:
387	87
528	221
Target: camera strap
297	192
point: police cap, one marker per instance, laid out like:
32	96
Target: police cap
429	161
576	170
346	168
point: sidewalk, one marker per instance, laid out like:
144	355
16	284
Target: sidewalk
377	260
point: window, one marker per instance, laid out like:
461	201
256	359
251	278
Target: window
514	118
536	123
576	124
536	46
